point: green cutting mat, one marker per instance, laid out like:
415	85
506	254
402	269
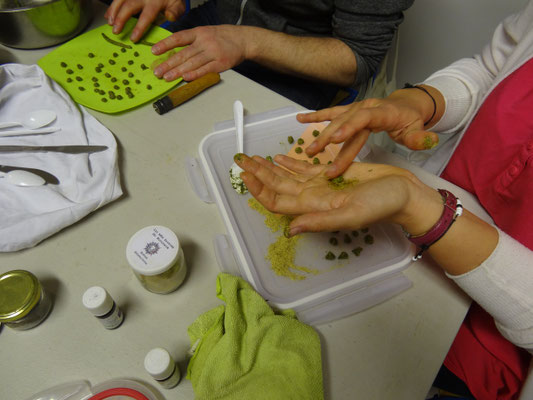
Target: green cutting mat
107	72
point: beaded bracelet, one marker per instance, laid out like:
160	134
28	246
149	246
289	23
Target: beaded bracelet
452	209
409	86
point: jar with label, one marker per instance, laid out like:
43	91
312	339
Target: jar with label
24	303
155	255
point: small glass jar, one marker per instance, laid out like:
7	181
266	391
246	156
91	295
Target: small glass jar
24	303
162	367
155	255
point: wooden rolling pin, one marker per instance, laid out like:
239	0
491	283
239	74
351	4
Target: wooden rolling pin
185	92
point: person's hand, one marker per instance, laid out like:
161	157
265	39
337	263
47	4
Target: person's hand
120	11
369	193
209	49
351	124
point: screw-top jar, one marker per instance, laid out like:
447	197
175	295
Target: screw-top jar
103	307
162	367
155	255
23	302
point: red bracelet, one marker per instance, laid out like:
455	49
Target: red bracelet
452	209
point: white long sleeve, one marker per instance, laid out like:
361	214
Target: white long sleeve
503	286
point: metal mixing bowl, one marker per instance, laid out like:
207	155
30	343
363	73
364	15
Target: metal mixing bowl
32	24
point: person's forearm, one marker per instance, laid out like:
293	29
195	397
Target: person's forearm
324	59
467	243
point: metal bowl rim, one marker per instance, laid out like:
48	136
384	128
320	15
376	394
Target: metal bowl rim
29	7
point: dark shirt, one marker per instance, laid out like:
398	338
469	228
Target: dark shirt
366	26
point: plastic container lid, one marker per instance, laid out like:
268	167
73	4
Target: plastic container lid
97	300
152	250
159	364
20	291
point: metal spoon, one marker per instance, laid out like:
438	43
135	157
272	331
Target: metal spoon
235	170
19	177
33	120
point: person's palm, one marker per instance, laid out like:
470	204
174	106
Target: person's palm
368	193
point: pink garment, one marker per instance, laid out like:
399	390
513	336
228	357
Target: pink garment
494	161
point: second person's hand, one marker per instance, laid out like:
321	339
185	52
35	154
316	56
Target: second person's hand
208	49
120	11
402	115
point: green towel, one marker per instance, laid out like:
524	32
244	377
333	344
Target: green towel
248	352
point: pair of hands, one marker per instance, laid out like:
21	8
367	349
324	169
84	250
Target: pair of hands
381	192
209	48
372	193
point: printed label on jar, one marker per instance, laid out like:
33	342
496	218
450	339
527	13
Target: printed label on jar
154	247
113	320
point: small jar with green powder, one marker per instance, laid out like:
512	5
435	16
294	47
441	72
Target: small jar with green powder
157	260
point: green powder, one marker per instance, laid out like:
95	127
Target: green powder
428	143
339	183
275	222
282	252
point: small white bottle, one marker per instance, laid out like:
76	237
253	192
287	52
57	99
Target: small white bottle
103	307
162	367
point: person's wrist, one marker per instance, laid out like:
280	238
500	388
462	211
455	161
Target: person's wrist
250	38
417	100
421	211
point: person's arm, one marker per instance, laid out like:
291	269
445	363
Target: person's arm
502	285
377	193
218	48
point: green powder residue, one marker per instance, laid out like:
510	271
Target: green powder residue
282	252
339	183
428	143
275	222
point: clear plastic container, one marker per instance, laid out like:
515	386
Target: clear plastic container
155	255
339	288
24	303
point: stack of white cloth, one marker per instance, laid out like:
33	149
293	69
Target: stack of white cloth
87	181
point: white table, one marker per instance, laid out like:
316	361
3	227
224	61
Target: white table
391	351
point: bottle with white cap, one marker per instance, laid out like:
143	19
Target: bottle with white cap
162	367
103	307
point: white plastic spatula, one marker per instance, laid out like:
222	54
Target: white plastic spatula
235	170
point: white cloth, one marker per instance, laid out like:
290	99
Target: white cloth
466	83
87	181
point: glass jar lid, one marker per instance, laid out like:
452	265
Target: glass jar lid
20	291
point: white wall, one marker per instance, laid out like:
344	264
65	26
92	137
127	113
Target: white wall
438	32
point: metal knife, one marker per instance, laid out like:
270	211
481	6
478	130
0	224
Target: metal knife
47	176
73	149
